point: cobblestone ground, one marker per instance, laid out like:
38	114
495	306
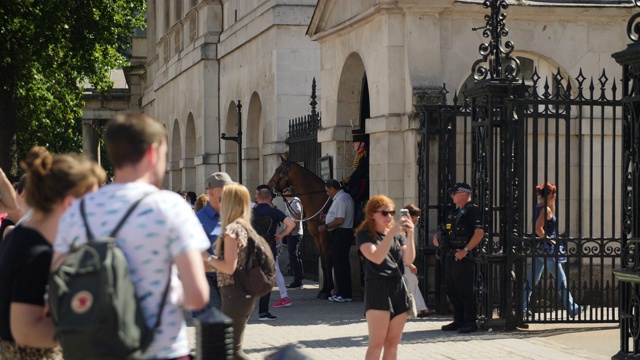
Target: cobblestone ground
325	330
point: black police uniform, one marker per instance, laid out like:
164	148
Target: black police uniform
459	275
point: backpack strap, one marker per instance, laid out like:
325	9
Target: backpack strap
113	235
118	226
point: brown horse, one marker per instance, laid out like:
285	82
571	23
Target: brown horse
315	202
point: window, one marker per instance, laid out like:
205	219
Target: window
167	15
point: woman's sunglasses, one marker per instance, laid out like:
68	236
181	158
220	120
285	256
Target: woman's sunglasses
385	212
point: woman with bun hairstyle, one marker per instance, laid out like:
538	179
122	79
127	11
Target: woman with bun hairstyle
386	247
53	183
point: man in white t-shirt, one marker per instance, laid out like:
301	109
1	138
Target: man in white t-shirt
162	232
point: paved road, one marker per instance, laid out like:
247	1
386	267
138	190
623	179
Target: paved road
325	330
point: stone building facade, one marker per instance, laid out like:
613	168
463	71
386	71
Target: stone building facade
204	57
404	49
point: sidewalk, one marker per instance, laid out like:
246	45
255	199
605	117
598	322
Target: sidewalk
322	329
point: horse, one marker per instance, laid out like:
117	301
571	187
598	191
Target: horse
311	191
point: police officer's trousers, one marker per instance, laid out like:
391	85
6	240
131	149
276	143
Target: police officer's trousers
459	280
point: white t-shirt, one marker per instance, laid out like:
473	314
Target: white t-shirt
162	227
296	206
342	207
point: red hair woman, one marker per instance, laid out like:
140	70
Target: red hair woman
386	247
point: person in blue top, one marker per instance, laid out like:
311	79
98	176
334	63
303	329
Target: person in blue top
546	228
209	217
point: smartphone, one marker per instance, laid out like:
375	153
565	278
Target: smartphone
404	212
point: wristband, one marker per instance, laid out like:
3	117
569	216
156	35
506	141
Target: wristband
466	249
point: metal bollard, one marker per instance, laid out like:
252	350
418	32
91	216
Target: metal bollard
214	336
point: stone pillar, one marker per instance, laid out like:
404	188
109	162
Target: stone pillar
89	139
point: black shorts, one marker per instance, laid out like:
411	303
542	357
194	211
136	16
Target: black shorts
387	295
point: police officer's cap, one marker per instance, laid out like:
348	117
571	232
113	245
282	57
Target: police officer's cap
460	187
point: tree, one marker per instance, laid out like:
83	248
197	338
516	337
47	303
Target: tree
47	49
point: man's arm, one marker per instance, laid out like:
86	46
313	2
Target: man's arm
289	225
196	289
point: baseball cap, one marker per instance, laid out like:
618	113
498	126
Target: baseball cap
218	180
460	187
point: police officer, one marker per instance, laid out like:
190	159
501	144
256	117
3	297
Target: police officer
461	233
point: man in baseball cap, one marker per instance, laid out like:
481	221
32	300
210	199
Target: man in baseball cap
209	217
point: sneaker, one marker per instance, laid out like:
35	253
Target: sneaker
267	317
454	326
338	298
284	302
294	285
468	328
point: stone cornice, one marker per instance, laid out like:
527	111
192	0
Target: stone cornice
324	9
263	18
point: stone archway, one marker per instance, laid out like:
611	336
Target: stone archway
187	163
229	154
353	108
176	155
253	142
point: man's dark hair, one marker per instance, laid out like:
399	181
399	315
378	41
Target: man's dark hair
262	187
192	197
333	183
128	136
264	194
289	189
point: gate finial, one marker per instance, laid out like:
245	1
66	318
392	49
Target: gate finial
500	63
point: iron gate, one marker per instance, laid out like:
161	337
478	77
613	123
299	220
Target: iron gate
305	150
504	135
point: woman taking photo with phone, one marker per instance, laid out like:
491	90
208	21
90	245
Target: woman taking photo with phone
386	247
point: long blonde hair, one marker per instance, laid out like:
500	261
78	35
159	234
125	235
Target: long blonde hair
236	204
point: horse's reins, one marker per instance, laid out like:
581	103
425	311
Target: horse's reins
288	204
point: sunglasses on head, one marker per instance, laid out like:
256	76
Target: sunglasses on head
386	212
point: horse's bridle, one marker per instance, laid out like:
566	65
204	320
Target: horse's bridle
286	185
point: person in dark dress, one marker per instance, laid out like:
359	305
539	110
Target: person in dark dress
386	247
54	182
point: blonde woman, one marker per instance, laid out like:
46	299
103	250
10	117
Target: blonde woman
235	211
385	249
53	183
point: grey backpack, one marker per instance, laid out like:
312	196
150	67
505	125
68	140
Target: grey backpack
93	302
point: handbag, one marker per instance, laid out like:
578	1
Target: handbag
257	275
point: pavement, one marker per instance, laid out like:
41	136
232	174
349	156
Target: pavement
323	329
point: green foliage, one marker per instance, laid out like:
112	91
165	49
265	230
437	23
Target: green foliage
48	48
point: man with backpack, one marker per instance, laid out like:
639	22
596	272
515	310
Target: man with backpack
265	221
160	238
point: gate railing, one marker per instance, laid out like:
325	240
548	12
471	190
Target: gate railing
628	273
304	149
504	135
